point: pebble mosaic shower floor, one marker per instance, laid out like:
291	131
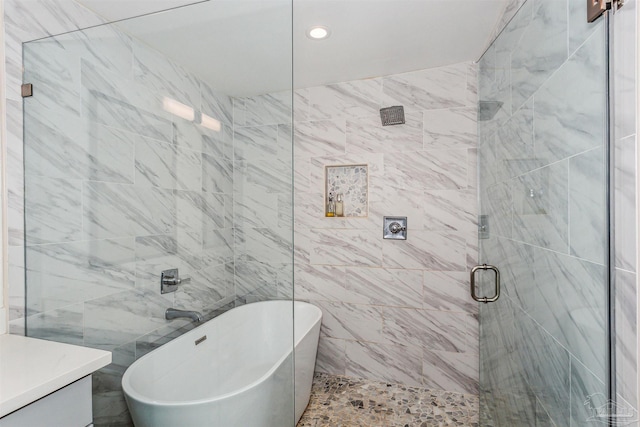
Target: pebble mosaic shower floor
338	401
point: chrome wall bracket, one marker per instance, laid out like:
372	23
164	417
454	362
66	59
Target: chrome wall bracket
472	281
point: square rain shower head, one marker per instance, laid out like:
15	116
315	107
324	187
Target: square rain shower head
392	115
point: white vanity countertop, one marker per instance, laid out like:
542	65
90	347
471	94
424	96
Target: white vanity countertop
31	368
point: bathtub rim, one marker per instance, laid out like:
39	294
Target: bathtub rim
129	392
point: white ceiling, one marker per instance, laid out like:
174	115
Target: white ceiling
243	47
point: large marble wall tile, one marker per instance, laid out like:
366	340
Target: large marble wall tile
356	98
217	174
435	88
255	278
388	287
61	325
273	108
447	291
588	392
450	128
625	58
255	142
268	245
514	145
391	201
53	210
540	51
156	72
139	210
256	208
320	138
155	163
62	274
366	134
196	214
16	290
217	246
347	247
587	206
541	204
399	364
325	283
216	104
450	210
15	173
579	28
351	321
270	175
120	318
218	143
450	371
434	330
427	170
625	202
626	336
331	358
63	146
207	287
570	107
439	251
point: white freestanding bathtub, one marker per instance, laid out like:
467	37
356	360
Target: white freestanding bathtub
241	375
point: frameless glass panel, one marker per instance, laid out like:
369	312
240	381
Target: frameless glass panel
156	143
543	179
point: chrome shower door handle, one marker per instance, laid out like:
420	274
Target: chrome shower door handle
473	283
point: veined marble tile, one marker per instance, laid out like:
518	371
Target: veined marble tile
273	108
499	206
472	85
450	210
390	363
579	29
324	283
625	58
255	142
156	163
256	208
435	88
433	330
331	358
625	203
346	247
219	143
540	51
541	202
588	392
270	175
301	105
188	169
216	104
320	138
157	253
427	170
472	168
63	146
438	251
367	135
163	76
450	371
217	246
207	287
120	318
217	174
16	283
514	144
196	214
570	107
140	210
587	206
351	321
255	277
345	100
41	18
408	202
626	336
268	245
388	287
53	210
450	128
15	173
55	72
61	325
59	275
447	291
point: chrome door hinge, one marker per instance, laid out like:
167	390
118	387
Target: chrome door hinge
26	90
595	8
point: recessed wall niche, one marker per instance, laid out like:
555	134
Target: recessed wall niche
352	181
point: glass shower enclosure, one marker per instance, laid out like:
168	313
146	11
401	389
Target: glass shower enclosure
155	143
544	179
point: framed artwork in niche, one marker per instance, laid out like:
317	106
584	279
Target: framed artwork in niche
352	181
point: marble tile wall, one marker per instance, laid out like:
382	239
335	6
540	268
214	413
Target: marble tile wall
394	311
542	180
116	190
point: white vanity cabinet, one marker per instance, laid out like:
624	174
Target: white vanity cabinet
45	383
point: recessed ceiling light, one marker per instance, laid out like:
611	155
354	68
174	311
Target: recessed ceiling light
318	32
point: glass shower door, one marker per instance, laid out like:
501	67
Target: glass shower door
543	177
